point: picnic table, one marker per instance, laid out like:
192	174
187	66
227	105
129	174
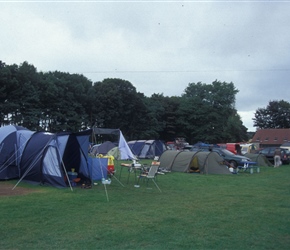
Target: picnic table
250	165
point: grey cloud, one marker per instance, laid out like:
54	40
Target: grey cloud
158	47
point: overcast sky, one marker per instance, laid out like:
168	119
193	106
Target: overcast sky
158	46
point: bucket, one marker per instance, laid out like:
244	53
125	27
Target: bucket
111	169
111	166
72	175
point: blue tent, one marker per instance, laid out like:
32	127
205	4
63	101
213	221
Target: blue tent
12	143
48	157
147	149
136	146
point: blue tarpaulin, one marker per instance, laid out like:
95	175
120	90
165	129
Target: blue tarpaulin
98	168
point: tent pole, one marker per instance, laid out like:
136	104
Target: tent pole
62	164
27	171
102	172
106	192
67	176
118	181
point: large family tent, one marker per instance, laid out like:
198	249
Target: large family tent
147	149
12	142
184	161
48	157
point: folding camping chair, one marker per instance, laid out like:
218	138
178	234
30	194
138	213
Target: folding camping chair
150	175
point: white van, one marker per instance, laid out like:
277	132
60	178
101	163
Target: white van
246	148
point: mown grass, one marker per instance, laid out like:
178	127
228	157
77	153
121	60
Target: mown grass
244	211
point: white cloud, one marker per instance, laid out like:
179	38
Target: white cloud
247	117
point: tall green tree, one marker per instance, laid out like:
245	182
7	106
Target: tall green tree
49	101
19	95
118	105
275	115
163	116
28	96
206	111
58	101
64	101
8	88
235	131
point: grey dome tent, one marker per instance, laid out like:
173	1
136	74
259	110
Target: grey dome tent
183	161
12	143
260	159
103	148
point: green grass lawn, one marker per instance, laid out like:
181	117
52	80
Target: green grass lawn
243	211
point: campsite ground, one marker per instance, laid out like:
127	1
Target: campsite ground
244	211
6	189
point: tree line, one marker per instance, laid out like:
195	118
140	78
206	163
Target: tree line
275	115
58	101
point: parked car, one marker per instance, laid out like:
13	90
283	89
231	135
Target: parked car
269	153
187	148
236	160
